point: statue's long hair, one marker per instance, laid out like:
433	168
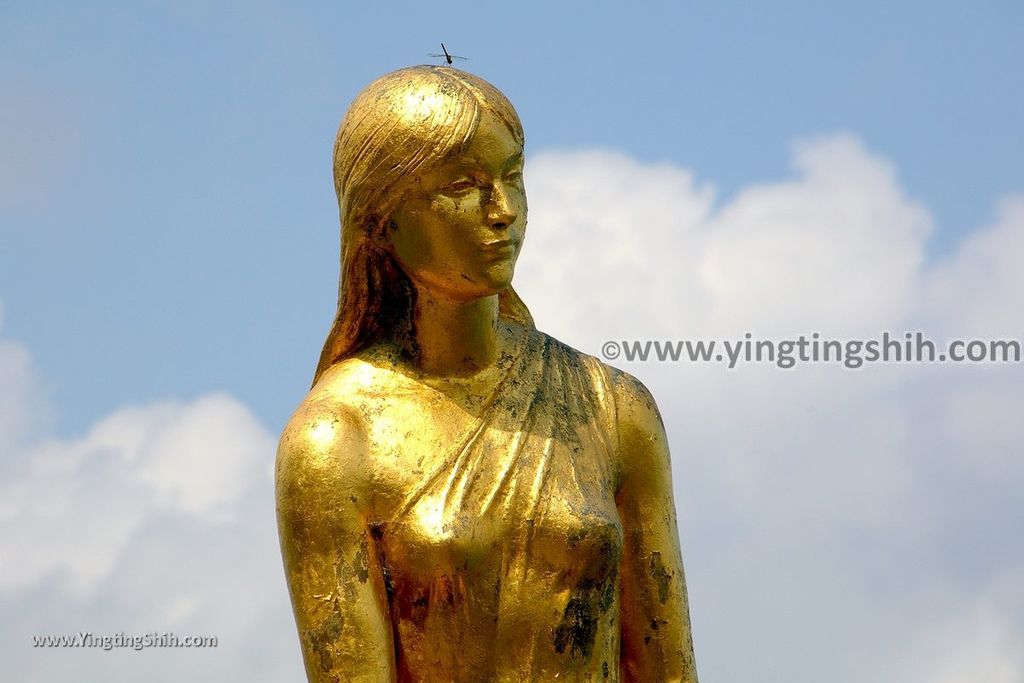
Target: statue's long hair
400	126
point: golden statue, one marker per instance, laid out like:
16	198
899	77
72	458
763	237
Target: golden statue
461	497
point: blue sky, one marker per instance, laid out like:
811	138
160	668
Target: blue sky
168	270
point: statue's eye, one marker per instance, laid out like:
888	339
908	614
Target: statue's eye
460	186
514	175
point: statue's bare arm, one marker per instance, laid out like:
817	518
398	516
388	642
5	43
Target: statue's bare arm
656	638
331	562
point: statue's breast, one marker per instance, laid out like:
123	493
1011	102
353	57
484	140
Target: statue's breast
531	563
563	535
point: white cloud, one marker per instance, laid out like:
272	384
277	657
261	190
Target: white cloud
977	290
596	219
160	518
73	505
837	248
974	642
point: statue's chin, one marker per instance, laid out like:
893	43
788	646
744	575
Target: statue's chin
498	275
483	286
487	281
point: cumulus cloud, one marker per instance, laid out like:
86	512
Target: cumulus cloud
839	246
160	518
974	291
73	505
838	525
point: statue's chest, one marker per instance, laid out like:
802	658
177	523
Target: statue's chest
476	527
526	485
479	497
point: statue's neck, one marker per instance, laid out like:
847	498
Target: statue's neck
456	337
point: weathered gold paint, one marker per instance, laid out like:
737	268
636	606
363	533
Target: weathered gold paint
462	497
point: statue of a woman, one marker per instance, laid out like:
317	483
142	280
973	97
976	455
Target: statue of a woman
461	497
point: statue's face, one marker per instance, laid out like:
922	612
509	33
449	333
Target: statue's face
459	230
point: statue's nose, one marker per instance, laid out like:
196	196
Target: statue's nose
500	212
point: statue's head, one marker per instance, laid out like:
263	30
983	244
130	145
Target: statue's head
428	171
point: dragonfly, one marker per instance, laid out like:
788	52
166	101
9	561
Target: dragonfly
448	57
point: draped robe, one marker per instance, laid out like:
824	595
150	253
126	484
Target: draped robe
501	562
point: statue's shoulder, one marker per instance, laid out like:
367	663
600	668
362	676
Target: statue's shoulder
324	446
625	387
349	382
643	443
635	410
565	352
632	396
336	395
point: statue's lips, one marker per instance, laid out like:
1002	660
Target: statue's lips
500	248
